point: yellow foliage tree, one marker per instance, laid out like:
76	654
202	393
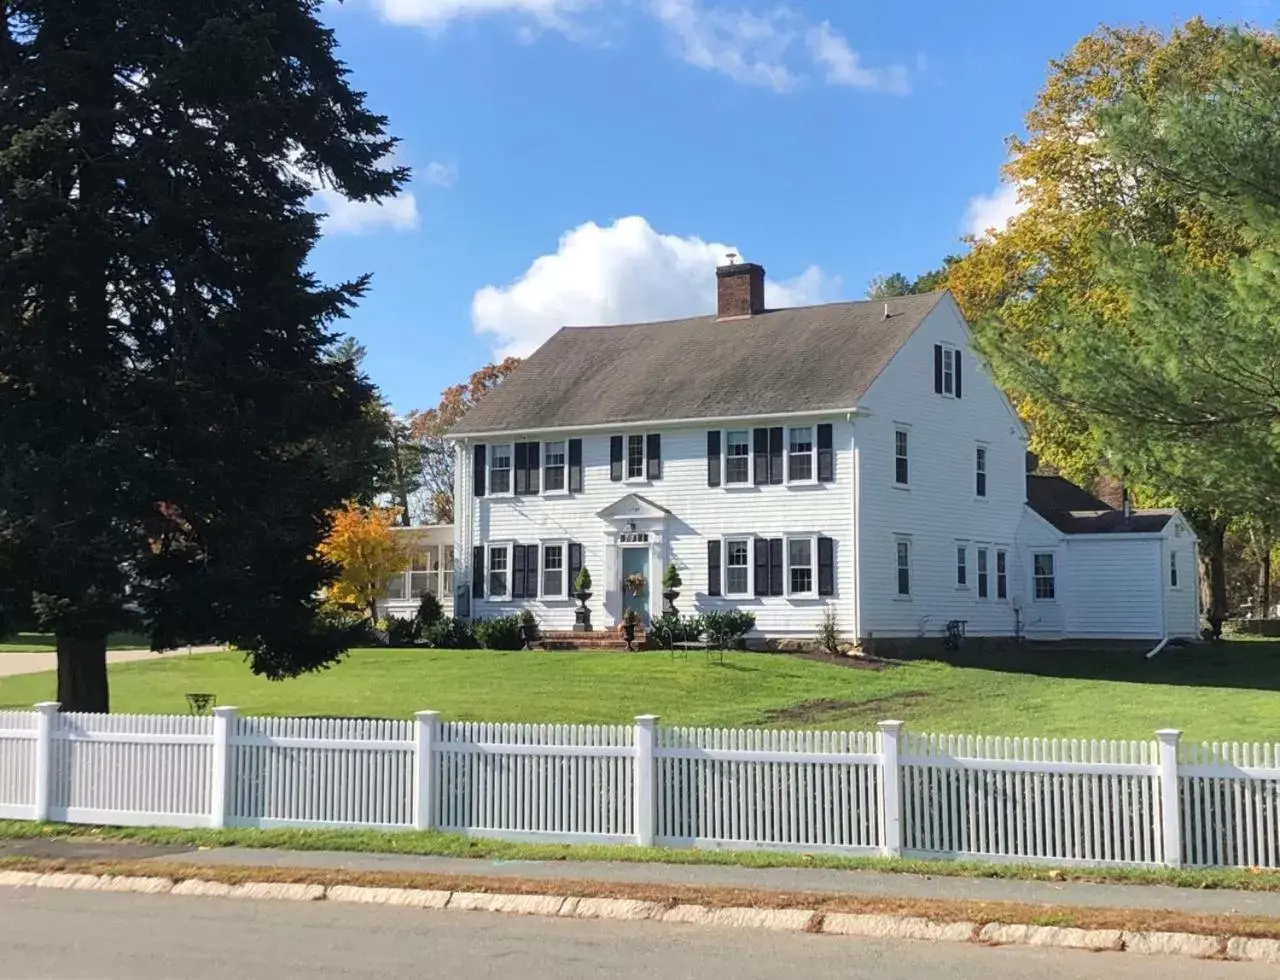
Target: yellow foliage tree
362	542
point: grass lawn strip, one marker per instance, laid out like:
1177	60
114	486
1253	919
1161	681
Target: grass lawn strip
436	844
668	897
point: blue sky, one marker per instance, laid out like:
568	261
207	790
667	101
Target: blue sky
589	161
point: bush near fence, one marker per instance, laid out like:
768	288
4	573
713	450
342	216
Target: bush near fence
887	792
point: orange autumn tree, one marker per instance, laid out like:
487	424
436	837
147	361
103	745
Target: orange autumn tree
361	541
429	427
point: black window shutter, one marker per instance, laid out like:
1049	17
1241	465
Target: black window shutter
533	462
775	566
762	566
477	469
521	481
477	572
761	448
713	567
653	456
775	454
615	459
713	457
957	363
575	566
575	466
531	571
826	567
937	368
517	572
826	455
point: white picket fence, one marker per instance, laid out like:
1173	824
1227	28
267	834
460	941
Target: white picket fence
887	792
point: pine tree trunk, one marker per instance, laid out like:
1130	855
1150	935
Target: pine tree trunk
82	673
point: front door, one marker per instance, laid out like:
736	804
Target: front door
635	561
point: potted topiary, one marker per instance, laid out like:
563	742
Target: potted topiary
671	582
528	629
582	592
630	620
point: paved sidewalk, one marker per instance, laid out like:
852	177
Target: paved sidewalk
867	883
13	664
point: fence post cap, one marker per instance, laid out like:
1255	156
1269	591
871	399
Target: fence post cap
426	715
1169	734
891	726
646	719
226	710
48	707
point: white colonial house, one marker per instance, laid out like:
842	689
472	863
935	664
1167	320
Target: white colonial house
849	458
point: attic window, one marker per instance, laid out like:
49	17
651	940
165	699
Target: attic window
948	371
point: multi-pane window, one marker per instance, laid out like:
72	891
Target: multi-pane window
395	587
901	466
424	573
962	565
980	466
1173	569
948	371
1002	575
553	466
553	571
499	566
904	567
737	456
800	454
635	457
500	469
984	581
737	563
800	565
446	571
1042	565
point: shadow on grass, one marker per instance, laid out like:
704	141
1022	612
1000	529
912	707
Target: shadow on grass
1244	664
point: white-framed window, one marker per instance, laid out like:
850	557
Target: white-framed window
554	556
1173	569
499	578
1002	574
553	466
801	450
902	546
424	572
1043	575
980	471
500	469
396	587
635	457
962	566
901	458
737	456
446	571
948	371
737	566
984	575
801	571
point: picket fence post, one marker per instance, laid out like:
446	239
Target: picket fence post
426	766
46	715
224	723
890	789
645	797
1169	796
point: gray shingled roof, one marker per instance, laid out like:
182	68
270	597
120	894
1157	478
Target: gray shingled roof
1075	511
813	358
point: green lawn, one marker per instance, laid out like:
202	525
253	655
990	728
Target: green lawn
1224	691
44	643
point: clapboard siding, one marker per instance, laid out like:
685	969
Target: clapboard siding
1181	602
698	512
939	509
1114	586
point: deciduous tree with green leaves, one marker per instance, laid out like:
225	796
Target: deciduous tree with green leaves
166	368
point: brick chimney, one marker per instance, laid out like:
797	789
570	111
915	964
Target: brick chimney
739	290
1111	491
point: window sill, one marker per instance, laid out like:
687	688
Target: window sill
903	598
555	493
808	599
507	495
804	484
740	487
902	486
637	481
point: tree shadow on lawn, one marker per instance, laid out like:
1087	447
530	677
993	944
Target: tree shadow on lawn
1244	664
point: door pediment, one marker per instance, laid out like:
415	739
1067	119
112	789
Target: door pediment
633	507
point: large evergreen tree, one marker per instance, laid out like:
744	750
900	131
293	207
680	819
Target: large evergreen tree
165	356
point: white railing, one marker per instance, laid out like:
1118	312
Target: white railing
886	792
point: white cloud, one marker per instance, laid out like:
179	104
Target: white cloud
745	46
994	210
626	272
439	174
343	216
843	65
437	13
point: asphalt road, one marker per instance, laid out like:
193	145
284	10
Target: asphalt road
56	935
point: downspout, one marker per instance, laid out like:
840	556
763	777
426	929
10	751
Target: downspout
1164	595
1164	640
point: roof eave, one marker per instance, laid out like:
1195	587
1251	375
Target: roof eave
650	423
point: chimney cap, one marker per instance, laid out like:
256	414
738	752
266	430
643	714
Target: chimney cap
739	269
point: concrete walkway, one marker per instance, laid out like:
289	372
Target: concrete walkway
864	883
13	664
